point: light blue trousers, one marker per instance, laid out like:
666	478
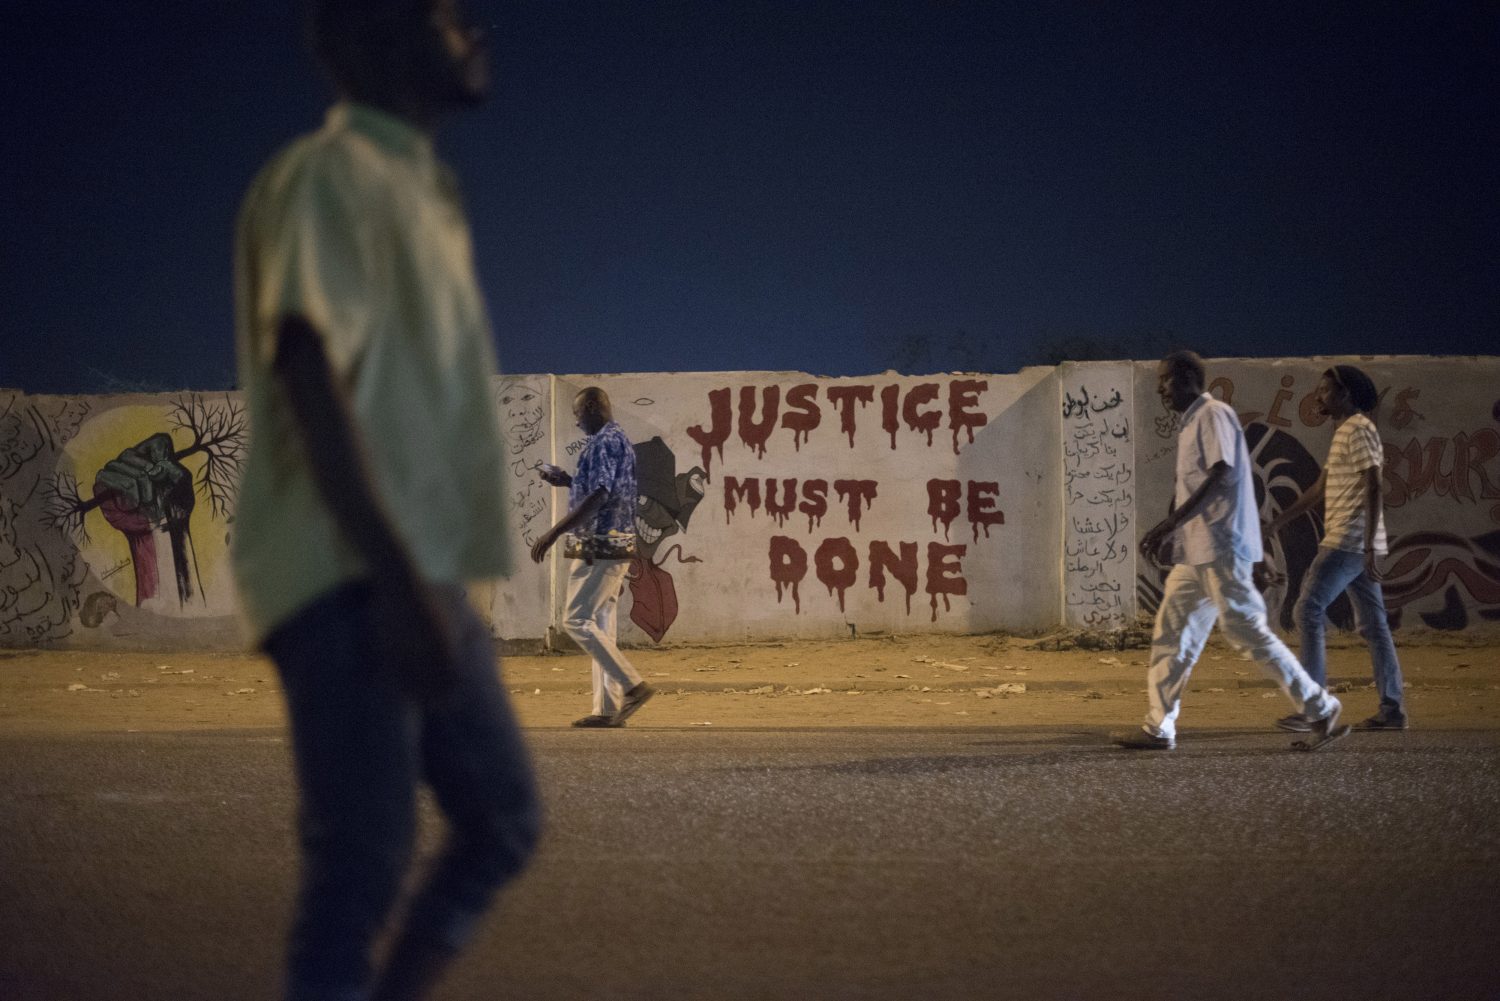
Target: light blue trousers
1333	572
1193	599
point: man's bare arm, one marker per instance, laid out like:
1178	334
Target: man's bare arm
1310	498
1151	542
1195	500
1372	520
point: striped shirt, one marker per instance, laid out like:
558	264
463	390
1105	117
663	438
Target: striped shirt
1356	447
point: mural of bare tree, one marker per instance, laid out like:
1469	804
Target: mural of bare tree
147	489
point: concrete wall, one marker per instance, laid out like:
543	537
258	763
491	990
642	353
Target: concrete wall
779	505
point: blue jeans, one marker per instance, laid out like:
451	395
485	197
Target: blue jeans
1334	571
360	745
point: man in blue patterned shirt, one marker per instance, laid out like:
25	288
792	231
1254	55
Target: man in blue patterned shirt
601	517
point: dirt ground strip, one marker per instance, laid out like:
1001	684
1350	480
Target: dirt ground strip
918	681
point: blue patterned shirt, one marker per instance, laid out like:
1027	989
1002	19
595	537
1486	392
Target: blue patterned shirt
607	460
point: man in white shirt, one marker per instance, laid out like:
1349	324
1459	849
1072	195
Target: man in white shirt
1353	541
1214	520
371	494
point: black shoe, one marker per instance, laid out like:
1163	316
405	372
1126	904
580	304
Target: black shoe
1295	723
1386	719
1144	740
595	720
1328	725
1324	731
634	699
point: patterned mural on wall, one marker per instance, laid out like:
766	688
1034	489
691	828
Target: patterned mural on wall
1449	577
41	577
666	497
1441	482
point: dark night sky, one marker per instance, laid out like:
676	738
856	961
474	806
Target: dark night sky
838	187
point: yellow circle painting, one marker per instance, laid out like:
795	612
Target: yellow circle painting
151	501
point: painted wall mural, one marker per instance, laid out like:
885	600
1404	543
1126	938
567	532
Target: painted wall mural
1440	423
664	507
915	411
782	505
137	523
119	510
824	507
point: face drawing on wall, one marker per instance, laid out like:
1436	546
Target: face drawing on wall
667	499
522	414
665	503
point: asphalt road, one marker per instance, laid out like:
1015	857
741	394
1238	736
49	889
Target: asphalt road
825	864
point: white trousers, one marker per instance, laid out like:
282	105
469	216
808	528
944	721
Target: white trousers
1193	598
593	598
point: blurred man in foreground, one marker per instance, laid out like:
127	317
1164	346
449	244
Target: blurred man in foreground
371	494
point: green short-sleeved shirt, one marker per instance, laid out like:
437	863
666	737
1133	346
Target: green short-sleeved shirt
358	228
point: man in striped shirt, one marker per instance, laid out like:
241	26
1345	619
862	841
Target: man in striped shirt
1353	541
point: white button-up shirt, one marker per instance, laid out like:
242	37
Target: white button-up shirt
1227	523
